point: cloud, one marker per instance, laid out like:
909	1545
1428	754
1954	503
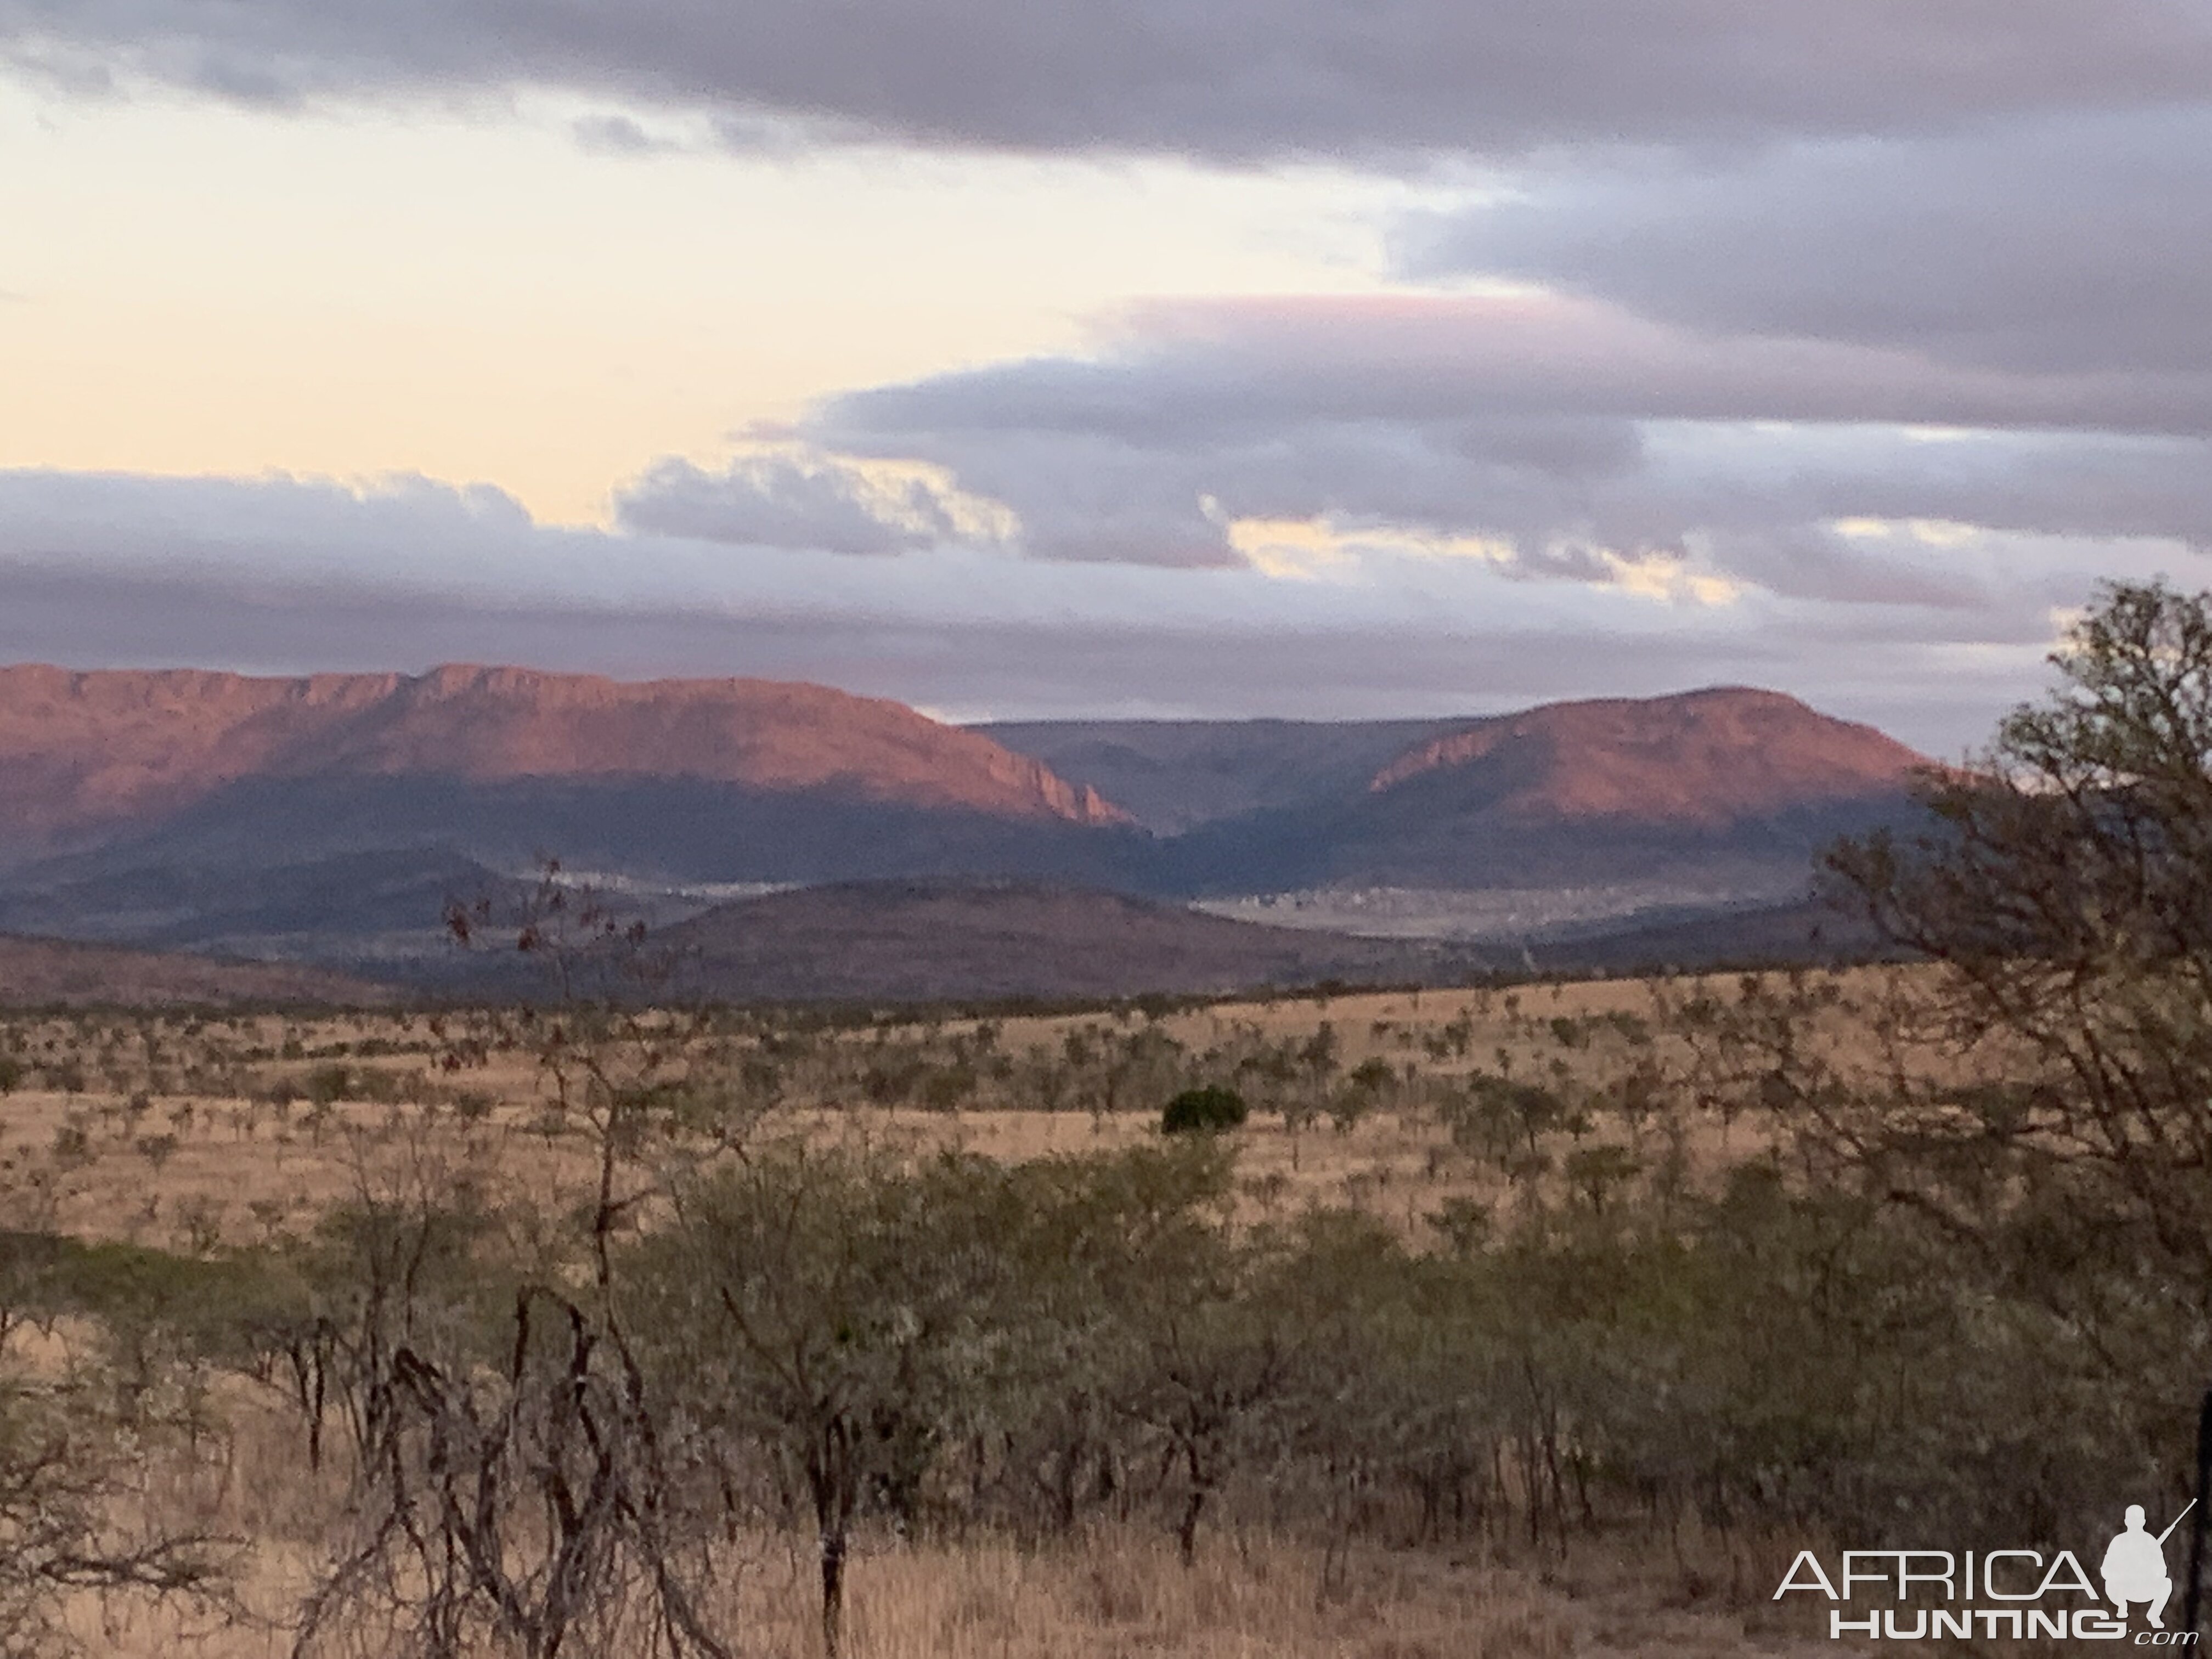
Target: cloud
2063	245
1572	438
289	575
1215	366
1236	79
784	499
616	135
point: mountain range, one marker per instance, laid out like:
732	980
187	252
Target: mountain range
84	757
328	819
1723	790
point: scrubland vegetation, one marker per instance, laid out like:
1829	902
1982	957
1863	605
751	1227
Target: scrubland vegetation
1509	1321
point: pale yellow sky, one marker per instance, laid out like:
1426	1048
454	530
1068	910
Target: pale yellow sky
194	289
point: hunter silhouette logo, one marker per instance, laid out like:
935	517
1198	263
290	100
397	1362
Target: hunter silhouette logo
1997	1595
2134	1566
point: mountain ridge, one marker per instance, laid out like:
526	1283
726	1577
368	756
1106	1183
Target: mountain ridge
82	751
1175	775
323	817
1593	792
1705	756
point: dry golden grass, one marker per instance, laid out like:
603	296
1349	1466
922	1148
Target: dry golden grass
140	1153
1112	1592
226	1186
1123	1596
191	1166
1119	1594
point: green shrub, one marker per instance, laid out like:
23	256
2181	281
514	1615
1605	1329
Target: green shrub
325	1084
1202	1111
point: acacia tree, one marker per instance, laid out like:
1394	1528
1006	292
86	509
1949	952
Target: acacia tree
1213	1360
63	1464
836	1310
518	1480
2064	890
76	1441
2042	1091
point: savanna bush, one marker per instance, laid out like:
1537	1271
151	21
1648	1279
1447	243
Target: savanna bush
1205	1110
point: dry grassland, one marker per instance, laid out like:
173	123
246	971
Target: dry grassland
189	1150
1123	1594
174	1131
1110	1592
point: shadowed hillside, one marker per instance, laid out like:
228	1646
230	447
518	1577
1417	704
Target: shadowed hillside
944	941
382	906
1705	758
46	972
1173	775
1747	785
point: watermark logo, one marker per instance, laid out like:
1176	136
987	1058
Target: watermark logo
1999	1595
2135	1567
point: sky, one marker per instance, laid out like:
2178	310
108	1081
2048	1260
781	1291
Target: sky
1051	358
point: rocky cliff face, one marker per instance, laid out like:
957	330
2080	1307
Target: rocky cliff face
84	753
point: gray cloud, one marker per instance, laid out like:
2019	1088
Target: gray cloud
615	135
1565	429
1917	683
1238	79
787	500
1570	465
283	576
2057	246
1218	366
